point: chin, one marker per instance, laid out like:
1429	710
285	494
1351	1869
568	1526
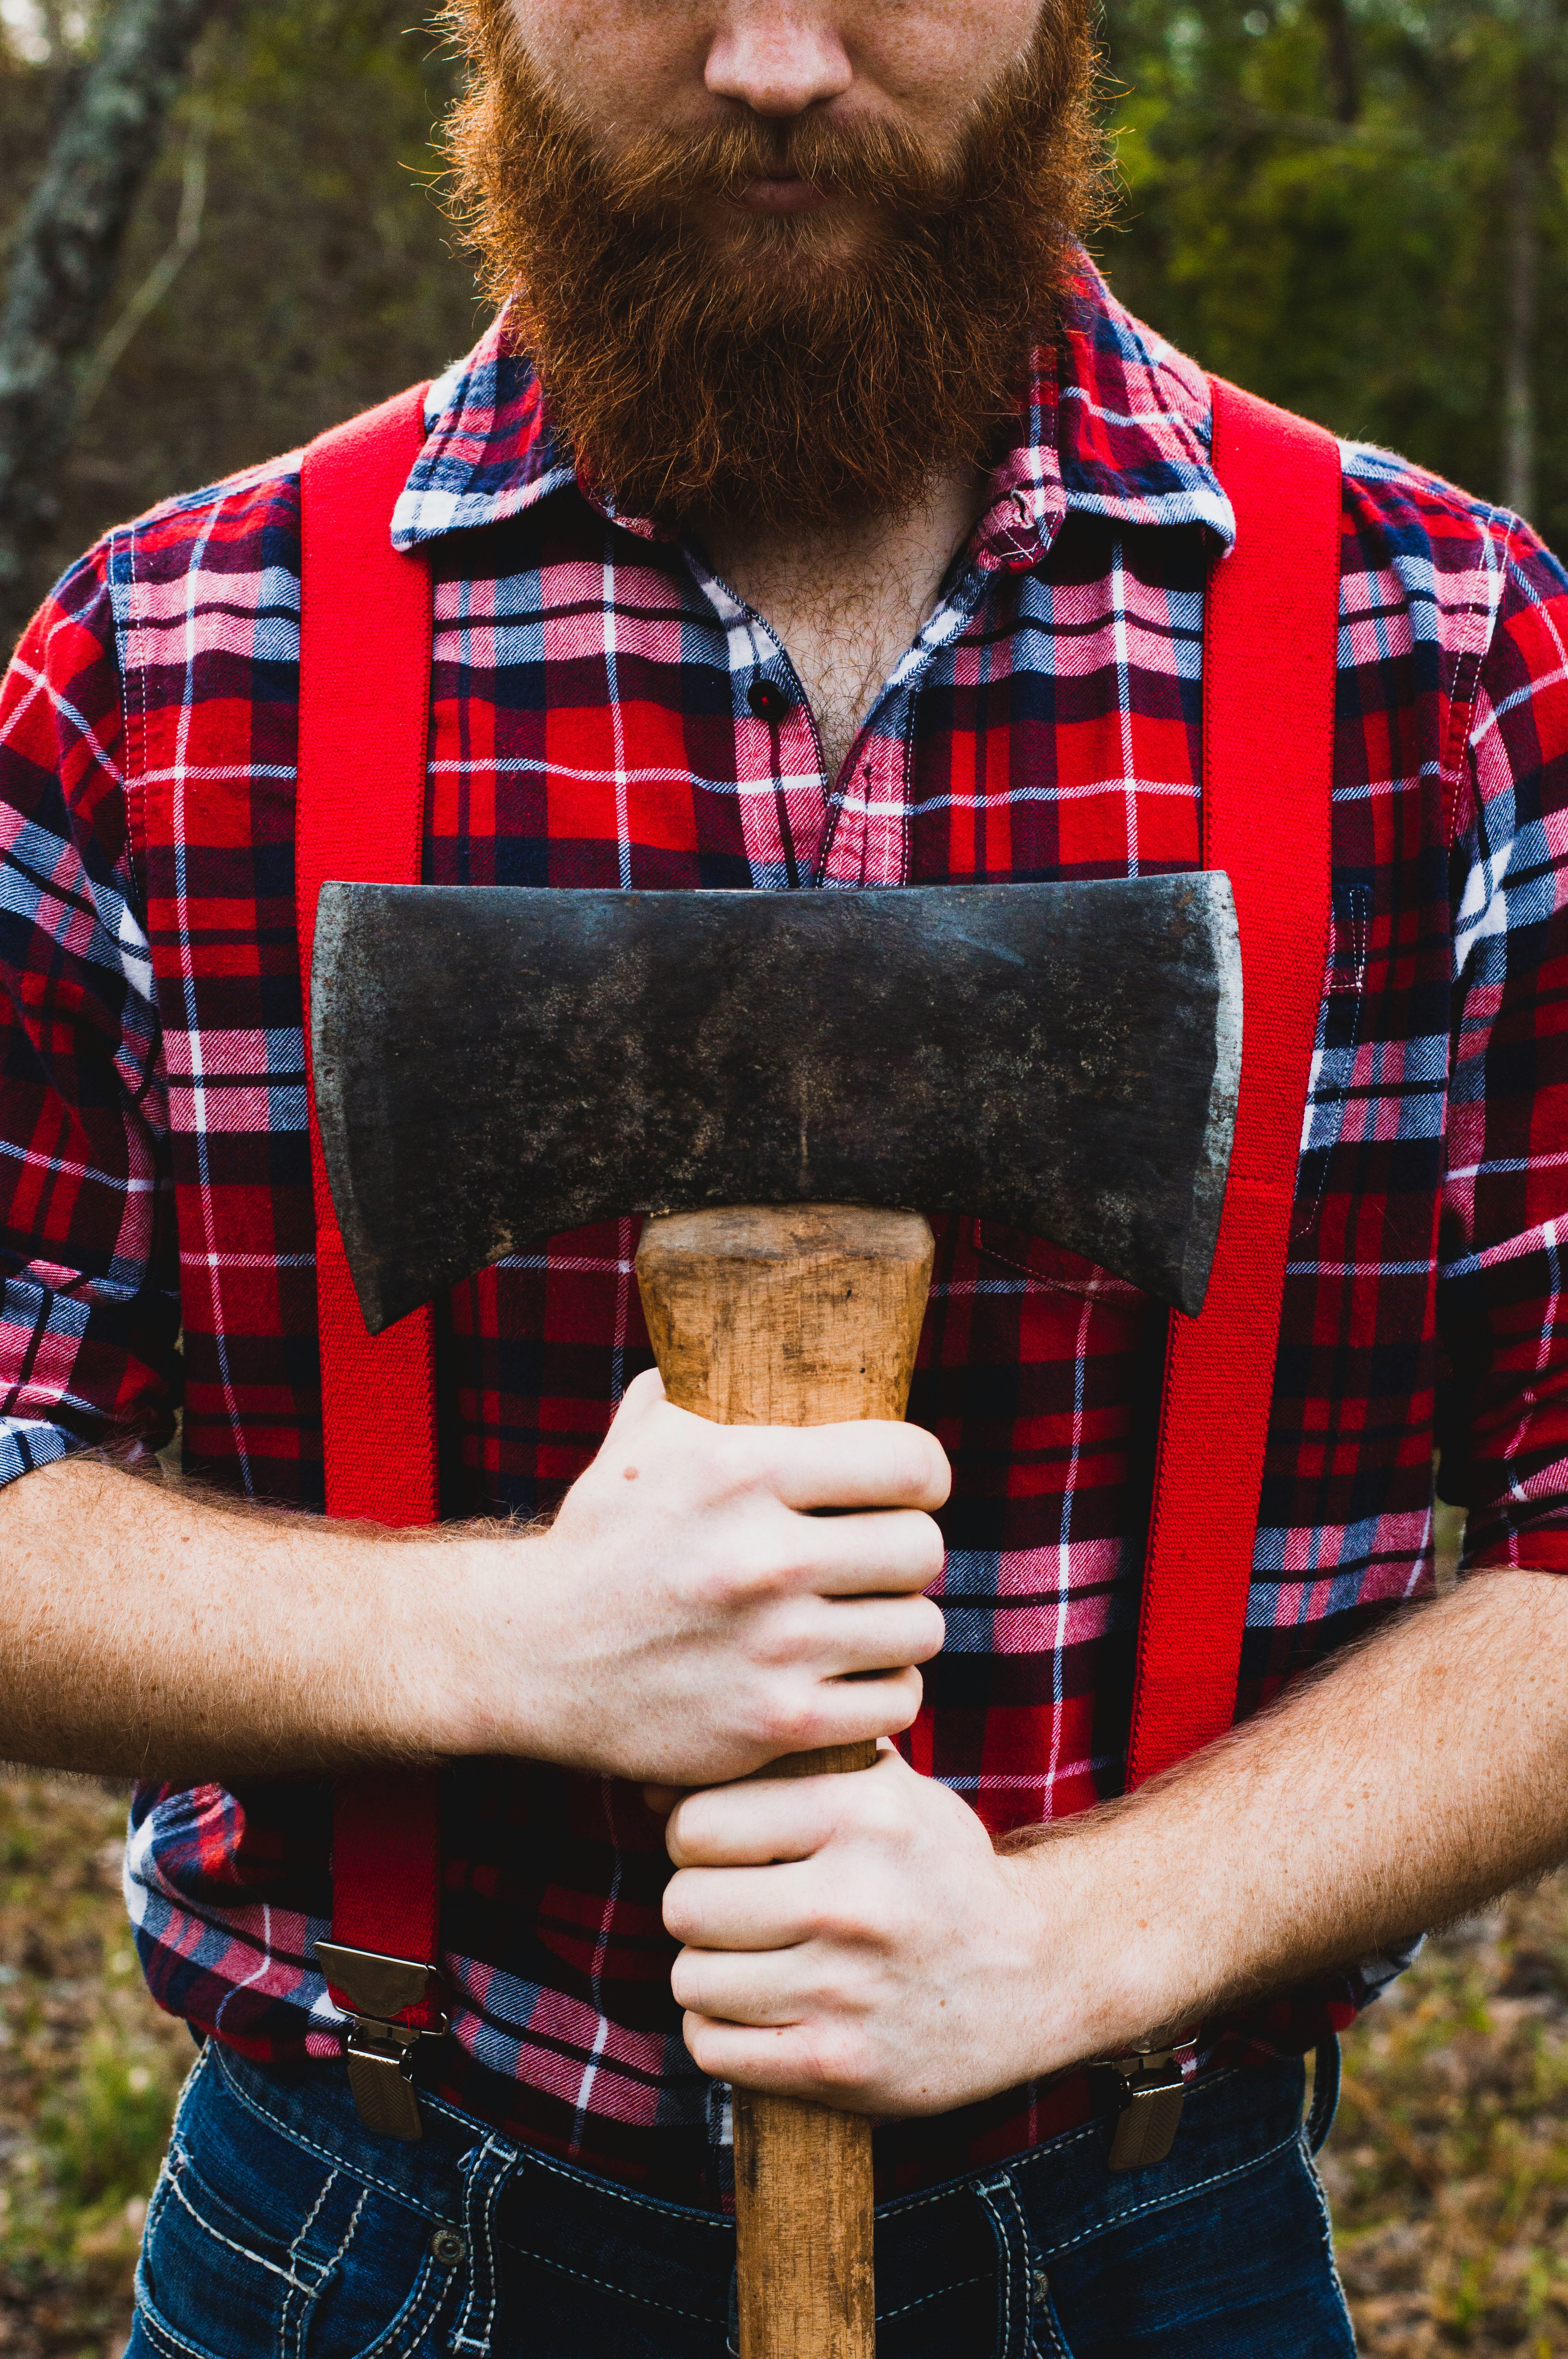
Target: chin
803	247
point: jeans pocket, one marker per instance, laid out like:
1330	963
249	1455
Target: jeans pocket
256	2249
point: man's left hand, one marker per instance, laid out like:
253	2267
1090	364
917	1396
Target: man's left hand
855	1940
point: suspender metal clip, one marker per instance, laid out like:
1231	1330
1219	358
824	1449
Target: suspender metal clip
380	2049
1151	2107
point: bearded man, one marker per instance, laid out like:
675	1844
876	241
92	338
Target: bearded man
811	517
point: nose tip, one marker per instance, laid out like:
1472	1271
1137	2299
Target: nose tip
776	67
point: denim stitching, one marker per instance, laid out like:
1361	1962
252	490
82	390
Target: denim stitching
324	2154
1004	2264
158	2199
639	2202
953	2187
536	2161
1026	2250
1044	2153
243	2250
604	2284
403	2335
1057	2348
920	2300
327	2186
481	2254
1327	2229
1163	2203
506	2156
294	2317
159	2331
330	2265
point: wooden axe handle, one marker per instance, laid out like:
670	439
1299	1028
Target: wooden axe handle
794	1314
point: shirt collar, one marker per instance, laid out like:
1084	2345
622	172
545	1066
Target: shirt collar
1111	421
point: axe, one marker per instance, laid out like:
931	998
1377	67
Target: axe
776	1079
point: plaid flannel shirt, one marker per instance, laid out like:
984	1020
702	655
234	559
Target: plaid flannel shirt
593	724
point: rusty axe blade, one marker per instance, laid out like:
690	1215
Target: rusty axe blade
496	1065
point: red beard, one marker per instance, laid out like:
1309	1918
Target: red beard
766	376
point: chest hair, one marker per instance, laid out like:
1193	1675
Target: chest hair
846	600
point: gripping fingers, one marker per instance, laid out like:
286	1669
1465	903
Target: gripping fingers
755	1986
752	1909
870	1463
881	1634
881	1704
900	1550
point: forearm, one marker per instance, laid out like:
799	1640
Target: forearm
681	1620
1419	1776
149	1630
858	1939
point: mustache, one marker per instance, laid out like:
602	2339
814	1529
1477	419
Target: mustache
659	172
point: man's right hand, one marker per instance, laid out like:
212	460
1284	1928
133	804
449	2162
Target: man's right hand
688	1617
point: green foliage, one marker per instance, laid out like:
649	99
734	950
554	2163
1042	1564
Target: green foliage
88	2072
324	277
1316	200
1448	2166
1356	269
102	2138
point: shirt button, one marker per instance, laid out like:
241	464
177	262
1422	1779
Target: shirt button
767	700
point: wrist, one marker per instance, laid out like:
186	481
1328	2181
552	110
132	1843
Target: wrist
1109	1954
467	1685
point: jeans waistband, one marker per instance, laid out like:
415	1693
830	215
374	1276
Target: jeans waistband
1230	2120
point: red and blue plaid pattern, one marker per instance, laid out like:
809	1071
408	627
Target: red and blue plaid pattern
591	726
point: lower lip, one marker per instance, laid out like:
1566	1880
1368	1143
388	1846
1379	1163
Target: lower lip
779	197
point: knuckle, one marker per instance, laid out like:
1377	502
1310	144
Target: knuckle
680	1920
907	1694
683	1835
685	1983
920	1468
792	1723
939	1471
701	2042
931	1548
839	2057
931	1629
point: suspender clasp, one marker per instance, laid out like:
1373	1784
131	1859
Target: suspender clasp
1151	2108
380	2046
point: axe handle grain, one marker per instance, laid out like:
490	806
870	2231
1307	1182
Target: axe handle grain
794	1314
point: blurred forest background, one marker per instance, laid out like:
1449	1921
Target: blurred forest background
1357	207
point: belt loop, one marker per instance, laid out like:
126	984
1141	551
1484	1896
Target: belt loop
485	2172
1325	2094
1015	2273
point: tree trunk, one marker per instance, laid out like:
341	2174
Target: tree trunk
65	258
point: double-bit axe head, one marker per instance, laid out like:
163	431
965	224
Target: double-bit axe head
495	1065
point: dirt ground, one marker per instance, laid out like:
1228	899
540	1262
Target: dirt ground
1448	2168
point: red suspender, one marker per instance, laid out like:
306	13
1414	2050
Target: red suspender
1268	681
1270	649
364	700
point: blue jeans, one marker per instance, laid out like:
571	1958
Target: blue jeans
280	2230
